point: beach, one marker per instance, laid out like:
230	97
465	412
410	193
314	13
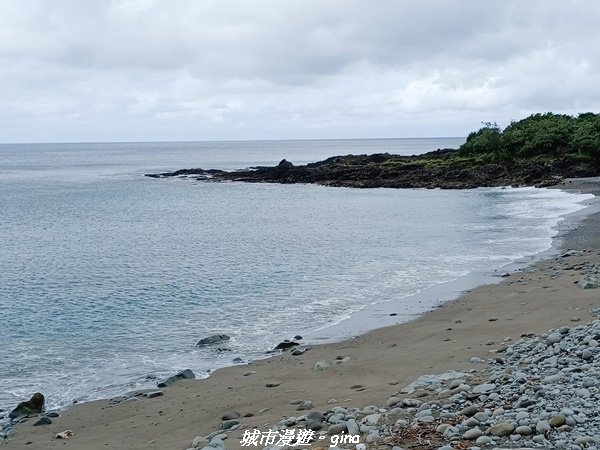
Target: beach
366	370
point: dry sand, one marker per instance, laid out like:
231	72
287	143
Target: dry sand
528	301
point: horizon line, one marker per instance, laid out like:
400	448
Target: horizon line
231	140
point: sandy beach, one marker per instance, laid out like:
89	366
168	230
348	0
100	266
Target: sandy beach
380	362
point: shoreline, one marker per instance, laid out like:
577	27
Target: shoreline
191	408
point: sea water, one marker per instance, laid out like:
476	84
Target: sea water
108	278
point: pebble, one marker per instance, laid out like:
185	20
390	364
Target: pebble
469	411
483	388
501	429
472	434
228	424
307	404
199	441
392	401
557	421
524	430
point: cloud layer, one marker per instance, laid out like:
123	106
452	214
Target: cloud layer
73	70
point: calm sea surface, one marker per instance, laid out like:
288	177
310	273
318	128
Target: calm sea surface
108	277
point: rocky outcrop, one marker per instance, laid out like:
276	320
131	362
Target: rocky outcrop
445	169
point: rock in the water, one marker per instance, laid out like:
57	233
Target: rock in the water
186	374
286	345
272	384
34	405
214	339
230	416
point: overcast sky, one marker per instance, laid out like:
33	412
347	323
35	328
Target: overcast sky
146	70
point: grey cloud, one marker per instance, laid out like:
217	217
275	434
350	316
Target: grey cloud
135	69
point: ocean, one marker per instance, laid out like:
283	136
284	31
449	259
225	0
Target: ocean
109	278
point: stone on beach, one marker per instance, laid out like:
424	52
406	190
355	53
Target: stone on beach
43	421
433	381
186	374
501	429
314	421
588	282
64	434
320	366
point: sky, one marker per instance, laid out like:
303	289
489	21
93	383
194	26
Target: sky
176	70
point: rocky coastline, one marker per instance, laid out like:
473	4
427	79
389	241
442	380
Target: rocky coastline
444	168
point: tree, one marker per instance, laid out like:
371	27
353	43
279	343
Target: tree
586	136
485	140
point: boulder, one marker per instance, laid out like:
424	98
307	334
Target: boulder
214	339
34	405
285	345
186	374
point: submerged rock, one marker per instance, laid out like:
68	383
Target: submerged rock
34	405
214	339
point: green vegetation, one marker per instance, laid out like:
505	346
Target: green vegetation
539	135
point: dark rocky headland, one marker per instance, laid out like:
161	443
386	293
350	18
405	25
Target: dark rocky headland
537	151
